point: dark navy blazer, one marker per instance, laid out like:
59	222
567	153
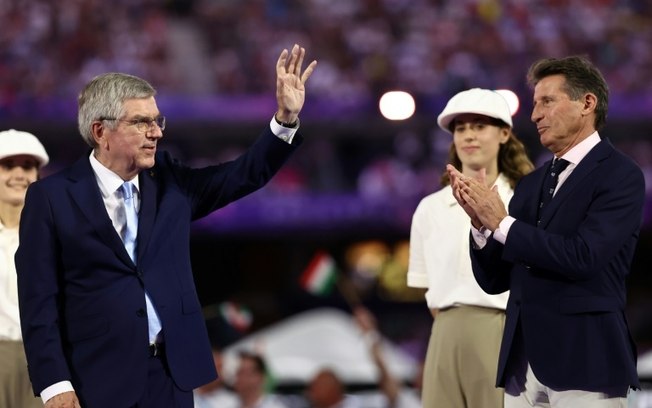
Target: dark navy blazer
567	276
82	298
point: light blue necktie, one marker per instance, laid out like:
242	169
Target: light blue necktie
130	230
129	234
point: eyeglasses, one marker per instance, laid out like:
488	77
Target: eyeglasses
143	125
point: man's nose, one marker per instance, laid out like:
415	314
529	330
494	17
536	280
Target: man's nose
536	115
155	132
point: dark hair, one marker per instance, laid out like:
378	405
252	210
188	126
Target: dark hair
257	359
581	77
513	160
490	120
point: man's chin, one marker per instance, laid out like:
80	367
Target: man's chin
545	142
147	162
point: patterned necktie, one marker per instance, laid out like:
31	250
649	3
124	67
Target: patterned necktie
130	230
550	183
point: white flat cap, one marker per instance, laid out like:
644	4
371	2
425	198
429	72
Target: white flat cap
481	101
15	142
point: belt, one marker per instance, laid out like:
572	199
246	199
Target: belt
156	349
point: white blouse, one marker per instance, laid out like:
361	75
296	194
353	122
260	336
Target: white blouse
439	252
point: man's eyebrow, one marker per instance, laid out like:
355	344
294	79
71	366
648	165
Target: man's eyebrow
141	116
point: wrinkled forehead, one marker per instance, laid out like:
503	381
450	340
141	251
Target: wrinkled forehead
141	107
550	85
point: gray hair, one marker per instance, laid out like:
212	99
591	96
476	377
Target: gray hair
104	96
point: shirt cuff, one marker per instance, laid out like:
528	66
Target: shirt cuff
480	237
500	234
56	389
286	134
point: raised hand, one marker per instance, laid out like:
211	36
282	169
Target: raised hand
290	84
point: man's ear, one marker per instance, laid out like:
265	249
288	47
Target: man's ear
590	102
98	130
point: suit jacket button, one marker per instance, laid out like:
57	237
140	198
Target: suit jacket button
141	313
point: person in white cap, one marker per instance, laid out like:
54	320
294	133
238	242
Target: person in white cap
21	157
462	356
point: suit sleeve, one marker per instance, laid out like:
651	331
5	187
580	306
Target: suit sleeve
213	187
38	292
596	226
489	269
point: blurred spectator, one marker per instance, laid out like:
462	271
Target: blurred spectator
252	381
21	158
396	394
215	394
432	49
326	390
364	47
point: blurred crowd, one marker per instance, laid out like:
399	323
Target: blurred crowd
48	49
202	48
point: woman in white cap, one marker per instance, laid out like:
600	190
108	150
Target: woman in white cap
21	158
462	357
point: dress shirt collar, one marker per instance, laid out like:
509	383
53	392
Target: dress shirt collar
107	180
577	153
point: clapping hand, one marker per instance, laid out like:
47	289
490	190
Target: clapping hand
481	203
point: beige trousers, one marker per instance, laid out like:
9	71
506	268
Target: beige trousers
462	359
15	387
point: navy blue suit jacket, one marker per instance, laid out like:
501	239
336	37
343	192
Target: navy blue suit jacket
567	276
81	297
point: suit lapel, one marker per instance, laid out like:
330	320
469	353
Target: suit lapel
588	164
85	193
530	191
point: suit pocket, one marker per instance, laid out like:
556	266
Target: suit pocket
589	304
190	303
87	327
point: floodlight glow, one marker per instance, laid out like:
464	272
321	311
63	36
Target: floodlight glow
396	105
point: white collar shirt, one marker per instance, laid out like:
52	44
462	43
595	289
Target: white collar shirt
109	183
575	156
